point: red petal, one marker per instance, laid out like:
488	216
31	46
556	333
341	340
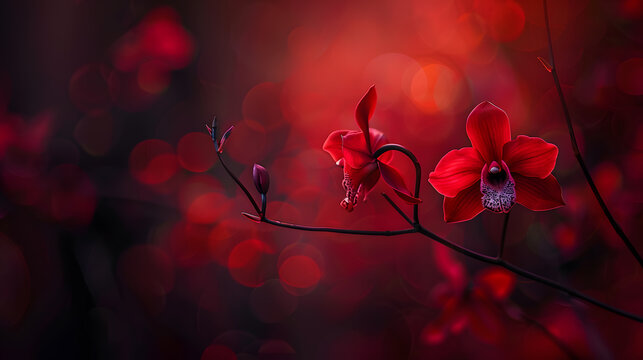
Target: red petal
365	177
365	109
465	206
538	194
354	149
497	282
396	182
530	156
488	129
333	144
456	171
378	139
368	183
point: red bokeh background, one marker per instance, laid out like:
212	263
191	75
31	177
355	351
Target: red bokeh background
121	235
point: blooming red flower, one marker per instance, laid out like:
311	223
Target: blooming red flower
496	172
474	303
354	151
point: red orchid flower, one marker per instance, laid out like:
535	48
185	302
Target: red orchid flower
496	172
353	150
474	303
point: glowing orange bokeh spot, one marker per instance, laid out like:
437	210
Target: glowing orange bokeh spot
436	88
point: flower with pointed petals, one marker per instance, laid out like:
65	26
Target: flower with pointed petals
353	150
496	172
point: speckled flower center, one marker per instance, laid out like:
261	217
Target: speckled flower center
497	187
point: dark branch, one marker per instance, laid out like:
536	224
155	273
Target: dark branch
554	72
239	183
338	231
397	208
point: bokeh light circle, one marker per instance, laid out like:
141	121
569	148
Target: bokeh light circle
437	88
153	162
196	152
249	262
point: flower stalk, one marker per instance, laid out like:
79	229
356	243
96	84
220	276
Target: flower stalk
579	158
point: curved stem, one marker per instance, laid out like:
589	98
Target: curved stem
397	208
504	235
617	228
418	171
236	180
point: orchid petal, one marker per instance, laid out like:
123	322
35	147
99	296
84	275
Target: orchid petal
378	139
364	112
225	137
354	149
538	194
530	156
464	206
333	144
393	178
488	129
456	171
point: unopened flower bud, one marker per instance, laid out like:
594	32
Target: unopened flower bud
261	178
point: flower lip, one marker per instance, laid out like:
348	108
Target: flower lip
496	175
498	188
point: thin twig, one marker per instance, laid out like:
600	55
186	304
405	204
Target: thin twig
397	208
558	342
554	72
338	231
241	186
